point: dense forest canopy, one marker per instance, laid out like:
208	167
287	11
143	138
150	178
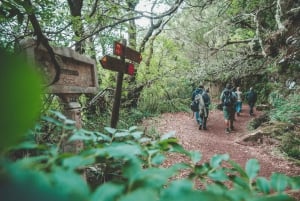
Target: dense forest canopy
253	35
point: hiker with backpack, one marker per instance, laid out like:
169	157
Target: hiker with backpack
201	100
251	98
228	99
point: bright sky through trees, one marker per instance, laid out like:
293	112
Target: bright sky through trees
145	6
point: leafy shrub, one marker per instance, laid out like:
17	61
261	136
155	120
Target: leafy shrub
130	167
286	108
167	96
291	145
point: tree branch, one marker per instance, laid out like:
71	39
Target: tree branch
41	38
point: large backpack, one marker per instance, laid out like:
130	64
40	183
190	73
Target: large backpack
198	103
201	104
228	98
199	98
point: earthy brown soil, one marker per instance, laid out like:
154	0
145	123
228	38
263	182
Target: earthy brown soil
216	141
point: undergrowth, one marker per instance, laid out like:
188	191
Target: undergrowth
125	164
287	109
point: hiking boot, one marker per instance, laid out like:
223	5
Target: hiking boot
227	131
232	128
204	128
200	127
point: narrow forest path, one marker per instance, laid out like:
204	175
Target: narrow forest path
216	141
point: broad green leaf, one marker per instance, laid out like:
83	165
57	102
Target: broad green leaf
263	185
170	143
78	161
53	121
107	192
216	189
59	115
217	159
122	150
145	139
20	103
241	183
137	134
158	159
140	194
28	145
178	188
195	156
279	182
27	184
70	122
79	137
69	182
238	168
131	169
103	137
237	194
175	147
132	128
121	134
82	134
280	197
154	178
179	166
32	162
295	182
252	168
183	190
110	130
152	151
202	169
218	175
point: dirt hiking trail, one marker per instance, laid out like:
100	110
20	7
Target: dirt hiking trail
216	141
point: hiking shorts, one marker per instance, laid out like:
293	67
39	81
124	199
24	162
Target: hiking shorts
228	113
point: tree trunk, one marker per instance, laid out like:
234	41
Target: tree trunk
75	9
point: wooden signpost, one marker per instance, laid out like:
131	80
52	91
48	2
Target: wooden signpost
78	75
121	66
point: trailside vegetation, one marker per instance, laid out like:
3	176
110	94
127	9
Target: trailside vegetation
124	164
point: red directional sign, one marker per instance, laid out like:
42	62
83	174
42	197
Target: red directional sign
128	53
112	63
116	64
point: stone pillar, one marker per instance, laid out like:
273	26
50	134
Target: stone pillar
72	110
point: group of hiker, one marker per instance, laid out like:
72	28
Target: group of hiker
231	100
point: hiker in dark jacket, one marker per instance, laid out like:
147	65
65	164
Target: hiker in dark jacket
251	98
204	102
228	100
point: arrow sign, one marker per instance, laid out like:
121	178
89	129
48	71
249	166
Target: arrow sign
116	64
128	53
113	64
